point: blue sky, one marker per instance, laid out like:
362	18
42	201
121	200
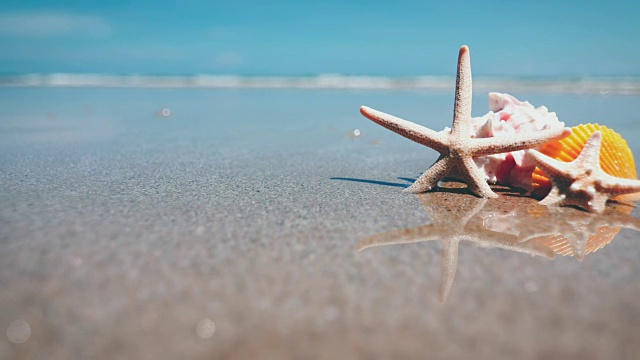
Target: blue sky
282	37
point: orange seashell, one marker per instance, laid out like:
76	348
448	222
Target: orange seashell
616	158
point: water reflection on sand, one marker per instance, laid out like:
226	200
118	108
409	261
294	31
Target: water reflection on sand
512	222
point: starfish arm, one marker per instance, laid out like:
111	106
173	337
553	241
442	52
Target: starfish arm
590	153
597	204
448	268
462	105
474	179
513	243
430	178
412	131
452	213
625	221
554	197
550	166
617	186
472	212
402	236
497	145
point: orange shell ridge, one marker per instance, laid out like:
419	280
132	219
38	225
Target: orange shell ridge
616	159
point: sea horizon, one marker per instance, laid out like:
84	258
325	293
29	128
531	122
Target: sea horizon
600	85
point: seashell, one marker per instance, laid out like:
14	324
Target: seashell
616	158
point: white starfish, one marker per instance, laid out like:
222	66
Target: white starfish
582	182
457	148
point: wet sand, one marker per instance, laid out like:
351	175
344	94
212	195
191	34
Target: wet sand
231	229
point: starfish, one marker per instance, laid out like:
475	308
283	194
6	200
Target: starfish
454	221
457	148
582	182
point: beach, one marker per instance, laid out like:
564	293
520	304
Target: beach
226	223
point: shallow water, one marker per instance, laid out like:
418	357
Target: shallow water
231	229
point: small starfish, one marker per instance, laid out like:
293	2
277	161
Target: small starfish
582	182
457	148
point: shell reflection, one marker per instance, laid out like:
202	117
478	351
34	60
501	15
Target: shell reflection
510	223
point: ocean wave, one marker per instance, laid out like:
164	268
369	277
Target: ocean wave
601	86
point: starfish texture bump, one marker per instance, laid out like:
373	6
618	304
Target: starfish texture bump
457	148
582	182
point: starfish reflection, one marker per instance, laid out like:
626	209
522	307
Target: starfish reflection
577	233
512	223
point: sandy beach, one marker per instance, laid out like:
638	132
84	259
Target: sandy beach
228	227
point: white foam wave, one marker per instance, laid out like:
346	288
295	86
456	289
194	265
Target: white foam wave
601	86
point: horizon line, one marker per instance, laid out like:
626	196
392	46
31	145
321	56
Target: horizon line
602	85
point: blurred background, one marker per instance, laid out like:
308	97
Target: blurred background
305	38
